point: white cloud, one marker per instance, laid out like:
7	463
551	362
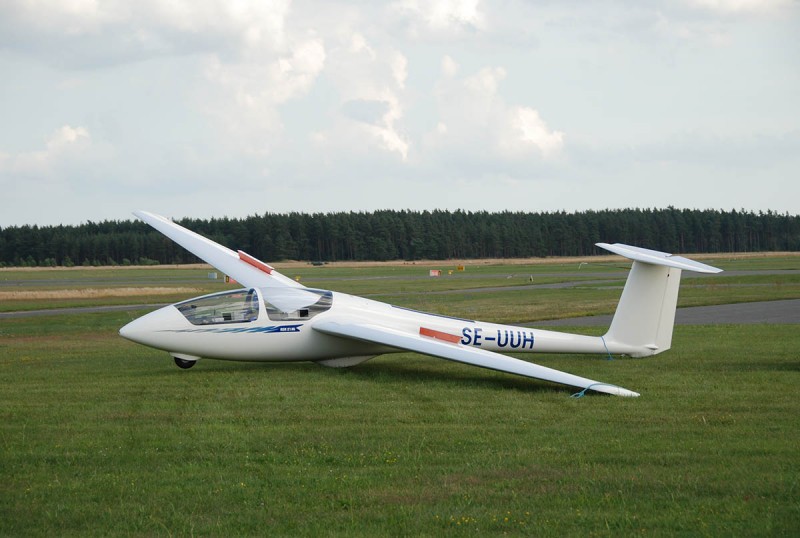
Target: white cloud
245	95
67	136
89	33
441	18
449	66
67	18
66	146
677	29
254	24
297	72
359	44
713	22
743	7
532	131
399	67
370	83
475	119
387	133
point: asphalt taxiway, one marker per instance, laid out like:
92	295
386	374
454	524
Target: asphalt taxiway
784	311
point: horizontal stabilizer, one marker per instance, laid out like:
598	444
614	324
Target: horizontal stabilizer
366	332
655	257
645	315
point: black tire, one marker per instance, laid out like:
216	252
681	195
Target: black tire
183	363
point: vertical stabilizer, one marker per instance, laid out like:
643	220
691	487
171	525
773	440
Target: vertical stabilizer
645	315
646	311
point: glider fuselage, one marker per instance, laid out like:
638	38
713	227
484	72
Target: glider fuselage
254	331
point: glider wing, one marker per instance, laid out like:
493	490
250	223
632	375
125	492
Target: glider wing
456	352
245	269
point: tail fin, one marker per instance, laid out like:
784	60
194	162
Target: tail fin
645	315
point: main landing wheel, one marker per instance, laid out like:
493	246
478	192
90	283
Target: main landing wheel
183	363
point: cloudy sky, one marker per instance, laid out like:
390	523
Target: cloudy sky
233	107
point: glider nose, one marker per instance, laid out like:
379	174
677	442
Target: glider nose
150	328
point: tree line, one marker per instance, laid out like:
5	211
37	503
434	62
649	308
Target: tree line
407	235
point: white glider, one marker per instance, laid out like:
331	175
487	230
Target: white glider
274	318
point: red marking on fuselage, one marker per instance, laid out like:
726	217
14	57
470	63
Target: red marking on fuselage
258	264
439	335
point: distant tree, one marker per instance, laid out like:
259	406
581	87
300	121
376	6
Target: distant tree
412	235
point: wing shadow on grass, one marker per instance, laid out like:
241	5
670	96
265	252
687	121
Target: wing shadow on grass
394	372
386	370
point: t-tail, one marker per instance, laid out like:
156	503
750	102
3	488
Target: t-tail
645	315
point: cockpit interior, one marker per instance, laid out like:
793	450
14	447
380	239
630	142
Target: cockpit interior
244	306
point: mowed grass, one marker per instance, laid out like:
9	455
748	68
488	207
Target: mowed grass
99	436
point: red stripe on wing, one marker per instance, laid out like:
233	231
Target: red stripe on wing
439	335
258	264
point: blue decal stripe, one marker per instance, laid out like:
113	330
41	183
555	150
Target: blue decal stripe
236	330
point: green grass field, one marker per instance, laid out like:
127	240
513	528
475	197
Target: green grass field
99	436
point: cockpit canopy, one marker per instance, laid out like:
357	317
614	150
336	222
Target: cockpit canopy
244	306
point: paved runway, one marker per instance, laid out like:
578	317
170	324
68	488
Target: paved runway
786	311
79	310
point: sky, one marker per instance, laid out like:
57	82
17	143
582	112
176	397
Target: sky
215	108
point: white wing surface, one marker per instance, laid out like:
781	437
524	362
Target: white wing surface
242	267
367	332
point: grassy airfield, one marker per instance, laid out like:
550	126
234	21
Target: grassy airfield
99	436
